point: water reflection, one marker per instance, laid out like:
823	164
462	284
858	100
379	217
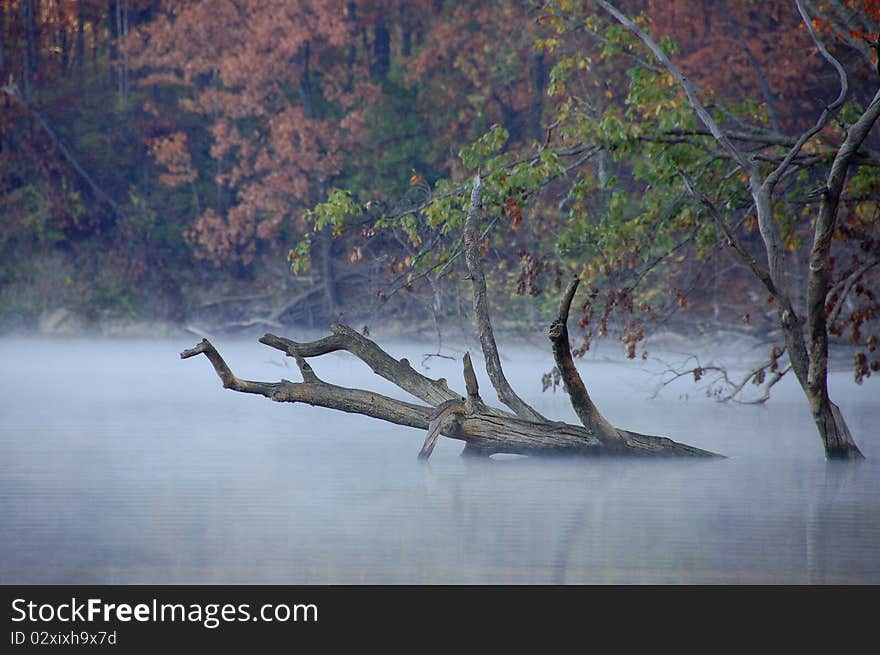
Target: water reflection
121	464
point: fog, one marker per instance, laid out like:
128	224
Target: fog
122	464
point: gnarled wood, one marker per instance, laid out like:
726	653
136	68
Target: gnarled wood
583	405
485	430
443	413
399	372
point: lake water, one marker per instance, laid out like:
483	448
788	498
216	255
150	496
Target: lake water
123	464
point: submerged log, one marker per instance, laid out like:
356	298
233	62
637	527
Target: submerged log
485	430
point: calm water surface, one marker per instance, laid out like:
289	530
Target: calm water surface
120	463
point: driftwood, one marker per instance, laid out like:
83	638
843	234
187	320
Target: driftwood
485	430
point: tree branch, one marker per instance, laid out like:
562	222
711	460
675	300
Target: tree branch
484	432
734	389
689	88
580	399
506	394
771	180
11	90
843	287
317	393
759	271
399	372
818	277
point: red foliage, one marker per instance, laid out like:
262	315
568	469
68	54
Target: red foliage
282	102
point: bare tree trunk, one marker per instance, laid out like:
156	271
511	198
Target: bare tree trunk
328	278
80	35
29	59
808	356
835	434
2	35
580	399
539	83
836	437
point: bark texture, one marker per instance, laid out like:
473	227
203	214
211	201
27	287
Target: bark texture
586	411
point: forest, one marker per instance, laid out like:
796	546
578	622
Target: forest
229	165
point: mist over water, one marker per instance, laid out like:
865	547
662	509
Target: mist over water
120	463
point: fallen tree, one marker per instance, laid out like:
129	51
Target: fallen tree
485	430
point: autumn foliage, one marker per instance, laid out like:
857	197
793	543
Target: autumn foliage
210	129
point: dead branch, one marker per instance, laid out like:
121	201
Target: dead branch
505	392
399	372
317	393
721	379
571	379
841	290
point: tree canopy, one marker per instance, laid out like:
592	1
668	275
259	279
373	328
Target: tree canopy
156	147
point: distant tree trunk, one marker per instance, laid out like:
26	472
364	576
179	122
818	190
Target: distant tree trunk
406	32
2	35
122	61
328	276
539	83
113	33
80	34
305	86
381	49
65	48
352	48
29	53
